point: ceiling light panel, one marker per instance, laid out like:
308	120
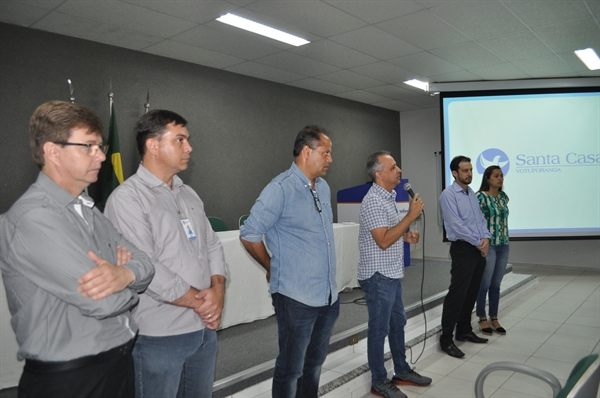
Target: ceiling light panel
263	30
589	58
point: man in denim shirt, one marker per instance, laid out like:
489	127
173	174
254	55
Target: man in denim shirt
294	213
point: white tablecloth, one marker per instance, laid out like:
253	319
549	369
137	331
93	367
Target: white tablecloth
246	300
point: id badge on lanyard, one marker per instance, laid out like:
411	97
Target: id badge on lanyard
187	227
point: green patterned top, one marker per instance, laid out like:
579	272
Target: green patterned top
495	211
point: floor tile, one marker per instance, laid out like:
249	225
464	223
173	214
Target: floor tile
510	343
570	341
578	330
470	370
502	393
444	365
583	321
559	353
586	312
523	384
558	369
564	308
549	316
452	387
529	334
491	355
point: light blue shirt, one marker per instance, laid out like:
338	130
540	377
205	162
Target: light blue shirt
299	237
462	215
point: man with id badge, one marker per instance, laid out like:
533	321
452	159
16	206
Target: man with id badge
180	311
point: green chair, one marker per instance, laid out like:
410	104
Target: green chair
218	224
582	382
243	219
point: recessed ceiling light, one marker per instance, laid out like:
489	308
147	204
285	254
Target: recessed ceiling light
589	58
418	84
264	30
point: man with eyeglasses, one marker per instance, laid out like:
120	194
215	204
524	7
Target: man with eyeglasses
175	352
294	213
70	277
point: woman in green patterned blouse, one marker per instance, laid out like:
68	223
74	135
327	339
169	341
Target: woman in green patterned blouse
494	205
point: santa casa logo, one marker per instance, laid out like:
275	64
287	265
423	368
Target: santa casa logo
493	157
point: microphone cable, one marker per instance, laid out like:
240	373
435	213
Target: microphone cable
422	301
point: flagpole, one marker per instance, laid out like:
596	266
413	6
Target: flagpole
72	99
111	174
147	104
111	97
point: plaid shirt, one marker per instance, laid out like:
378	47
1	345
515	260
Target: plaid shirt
378	209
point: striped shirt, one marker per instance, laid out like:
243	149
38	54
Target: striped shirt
378	209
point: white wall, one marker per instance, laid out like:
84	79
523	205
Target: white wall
419	139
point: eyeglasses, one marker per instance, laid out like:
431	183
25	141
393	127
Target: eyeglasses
316	199
92	149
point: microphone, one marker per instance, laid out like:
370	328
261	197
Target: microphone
408	188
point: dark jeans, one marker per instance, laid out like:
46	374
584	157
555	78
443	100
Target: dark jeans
304	334
466	272
386	318
110	379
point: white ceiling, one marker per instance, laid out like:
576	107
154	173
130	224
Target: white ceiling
360	49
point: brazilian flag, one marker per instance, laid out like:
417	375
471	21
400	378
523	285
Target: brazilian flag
111	174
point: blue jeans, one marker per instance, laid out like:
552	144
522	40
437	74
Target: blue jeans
495	267
175	366
386	318
304	334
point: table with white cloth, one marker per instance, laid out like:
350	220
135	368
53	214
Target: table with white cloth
247	298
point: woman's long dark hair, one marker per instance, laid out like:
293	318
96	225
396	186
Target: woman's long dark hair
485	184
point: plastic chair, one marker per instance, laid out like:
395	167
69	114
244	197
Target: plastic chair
218	224
582	382
243	219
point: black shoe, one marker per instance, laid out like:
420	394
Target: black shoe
411	378
499	329
452	350
472	337
487	330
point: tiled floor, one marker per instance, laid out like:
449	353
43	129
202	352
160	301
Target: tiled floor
549	327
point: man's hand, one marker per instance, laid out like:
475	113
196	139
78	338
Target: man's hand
258	251
412	237
416	207
483	247
212	299
106	278
123	255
